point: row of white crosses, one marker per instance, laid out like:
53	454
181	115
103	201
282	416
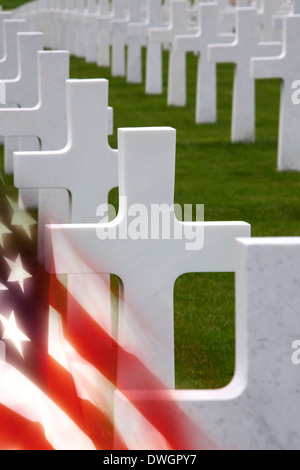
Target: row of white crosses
244	415
75	156
139	24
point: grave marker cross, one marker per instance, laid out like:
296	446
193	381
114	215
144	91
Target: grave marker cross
240	53
206	95
179	25
287	68
87	166
147	264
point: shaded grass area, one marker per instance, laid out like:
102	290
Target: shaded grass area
234	181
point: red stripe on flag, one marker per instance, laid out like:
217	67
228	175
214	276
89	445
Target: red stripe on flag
62	390
18	433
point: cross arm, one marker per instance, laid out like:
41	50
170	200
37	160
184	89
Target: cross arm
188	43
68	248
216	253
222	53
19	122
267	67
40	169
160	35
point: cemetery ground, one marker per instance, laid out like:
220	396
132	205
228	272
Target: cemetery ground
233	181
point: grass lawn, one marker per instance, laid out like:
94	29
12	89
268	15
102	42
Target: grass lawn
234	181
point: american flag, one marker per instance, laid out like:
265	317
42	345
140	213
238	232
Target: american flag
58	360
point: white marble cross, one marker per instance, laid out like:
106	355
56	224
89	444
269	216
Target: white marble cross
23	89
118	37
79	46
240	53
104	32
206	95
146	247
86	167
90	33
286	67
23	92
135	42
68	22
9	63
179	25
140	31
47	121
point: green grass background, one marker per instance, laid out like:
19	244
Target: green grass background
234	181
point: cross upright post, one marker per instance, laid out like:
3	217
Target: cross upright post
135	43
103	33
4	15
118	32
90	34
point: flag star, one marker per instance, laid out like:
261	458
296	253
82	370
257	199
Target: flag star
3	231
3	287
18	273
12	332
21	218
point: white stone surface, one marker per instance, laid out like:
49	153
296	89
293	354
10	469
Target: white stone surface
104	33
135	42
147	264
4	15
240	53
206	94
23	92
266	13
154	51
226	24
68	16
286	67
9	63
79	48
118	38
90	33
23	89
179	25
